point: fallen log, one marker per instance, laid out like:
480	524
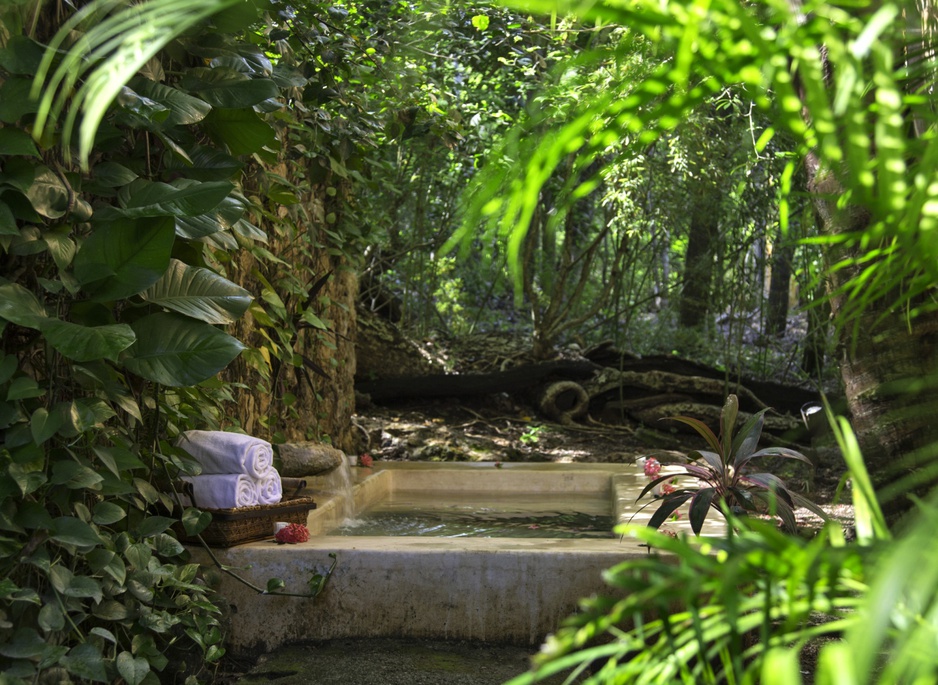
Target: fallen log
563	401
518	379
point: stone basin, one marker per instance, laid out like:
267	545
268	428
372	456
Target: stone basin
495	590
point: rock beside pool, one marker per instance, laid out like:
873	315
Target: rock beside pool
300	459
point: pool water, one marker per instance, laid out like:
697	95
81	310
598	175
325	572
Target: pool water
484	516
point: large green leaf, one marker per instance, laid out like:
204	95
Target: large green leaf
7	221
199	293
184	198
86	662
183	108
207	164
121	259
44	189
133	669
15	100
138	111
19	305
175	350
242	131
85	344
15	141
21	55
228	89
73	531
223	217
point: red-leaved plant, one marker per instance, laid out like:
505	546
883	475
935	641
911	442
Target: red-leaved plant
723	478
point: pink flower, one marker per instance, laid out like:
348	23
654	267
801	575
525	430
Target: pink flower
652	467
667	488
366	460
293	533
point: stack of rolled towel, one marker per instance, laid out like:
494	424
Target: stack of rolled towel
237	470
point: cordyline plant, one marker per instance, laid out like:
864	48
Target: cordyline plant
723	481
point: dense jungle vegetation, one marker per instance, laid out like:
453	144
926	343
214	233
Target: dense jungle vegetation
192	195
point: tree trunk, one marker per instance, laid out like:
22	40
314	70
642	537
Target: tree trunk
306	390
776	320
887	359
698	262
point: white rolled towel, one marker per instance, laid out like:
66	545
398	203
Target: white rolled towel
269	488
224	452
223	490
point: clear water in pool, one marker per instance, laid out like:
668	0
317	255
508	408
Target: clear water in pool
485	515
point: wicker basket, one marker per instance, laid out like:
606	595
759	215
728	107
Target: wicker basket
230	527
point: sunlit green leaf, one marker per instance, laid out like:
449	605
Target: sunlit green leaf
199	293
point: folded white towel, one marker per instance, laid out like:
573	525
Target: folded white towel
223	490
223	452
269	488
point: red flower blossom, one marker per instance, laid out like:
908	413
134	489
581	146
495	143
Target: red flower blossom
652	467
293	533
366	460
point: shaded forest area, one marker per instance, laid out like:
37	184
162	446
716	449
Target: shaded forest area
591	220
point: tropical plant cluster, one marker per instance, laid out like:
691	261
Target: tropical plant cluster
153	192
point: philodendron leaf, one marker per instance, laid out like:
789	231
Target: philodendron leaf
86	662
184	198
121	259
25	643
176	351
73	531
19	305
228	89
45	190
15	141
241	131
199	293
132	669
195	520
43	424
7	221
84	343
183	108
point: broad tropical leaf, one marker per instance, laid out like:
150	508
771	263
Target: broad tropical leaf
175	350
86	343
21	306
123	258
199	293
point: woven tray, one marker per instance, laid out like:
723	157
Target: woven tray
230	527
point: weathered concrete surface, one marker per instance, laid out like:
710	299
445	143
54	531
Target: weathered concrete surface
508	591
391	662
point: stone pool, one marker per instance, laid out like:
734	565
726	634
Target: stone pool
508	590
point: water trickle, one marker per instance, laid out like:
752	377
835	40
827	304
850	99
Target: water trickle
338	482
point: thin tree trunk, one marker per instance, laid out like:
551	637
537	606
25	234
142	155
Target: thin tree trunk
698	262
776	320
